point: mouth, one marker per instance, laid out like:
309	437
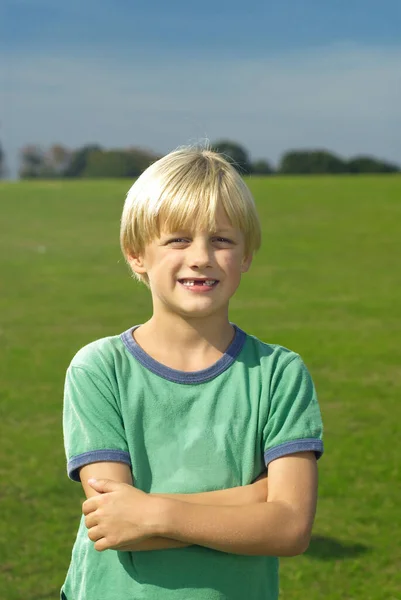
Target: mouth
199	283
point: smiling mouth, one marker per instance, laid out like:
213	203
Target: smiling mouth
207	283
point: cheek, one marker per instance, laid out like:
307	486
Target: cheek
165	265
232	262
170	262
232	267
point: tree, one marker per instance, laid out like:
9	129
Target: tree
36	162
79	160
312	162
142	159
262	167
117	163
32	161
235	154
57	160
368	164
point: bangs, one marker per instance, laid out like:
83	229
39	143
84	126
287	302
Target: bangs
196	207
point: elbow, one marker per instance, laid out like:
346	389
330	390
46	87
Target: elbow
301	545
299	534
298	543
288	546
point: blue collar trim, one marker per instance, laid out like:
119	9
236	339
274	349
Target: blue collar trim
186	377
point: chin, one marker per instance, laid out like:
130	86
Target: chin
199	312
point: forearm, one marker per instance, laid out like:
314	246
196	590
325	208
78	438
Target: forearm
271	528
237	496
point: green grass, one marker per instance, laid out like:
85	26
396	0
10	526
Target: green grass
326	284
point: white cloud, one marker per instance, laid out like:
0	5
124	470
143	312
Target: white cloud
345	98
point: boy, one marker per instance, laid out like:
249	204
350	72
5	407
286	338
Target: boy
171	425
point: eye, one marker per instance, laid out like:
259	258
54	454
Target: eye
177	241
222	240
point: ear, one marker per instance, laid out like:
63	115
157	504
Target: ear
136	262
246	263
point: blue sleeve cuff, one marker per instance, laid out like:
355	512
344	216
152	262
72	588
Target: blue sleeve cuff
305	445
75	463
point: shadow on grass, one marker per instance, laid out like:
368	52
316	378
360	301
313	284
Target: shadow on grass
326	548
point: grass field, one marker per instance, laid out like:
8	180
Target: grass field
326	284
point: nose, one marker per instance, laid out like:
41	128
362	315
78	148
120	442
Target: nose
200	255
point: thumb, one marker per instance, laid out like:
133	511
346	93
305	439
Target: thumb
103	485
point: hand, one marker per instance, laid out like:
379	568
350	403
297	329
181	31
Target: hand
119	516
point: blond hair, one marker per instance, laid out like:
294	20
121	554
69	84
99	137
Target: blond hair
184	188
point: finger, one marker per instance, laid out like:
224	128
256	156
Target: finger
101	545
91	520
95	533
90	505
104	485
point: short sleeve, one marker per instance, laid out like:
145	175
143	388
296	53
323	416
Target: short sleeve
294	422
92	424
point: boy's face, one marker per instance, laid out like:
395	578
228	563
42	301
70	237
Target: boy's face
194	273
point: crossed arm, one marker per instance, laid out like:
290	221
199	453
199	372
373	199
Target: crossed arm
119	472
259	519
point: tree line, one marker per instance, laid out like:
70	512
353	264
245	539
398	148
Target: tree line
92	161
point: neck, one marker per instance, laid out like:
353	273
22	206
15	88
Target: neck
177	332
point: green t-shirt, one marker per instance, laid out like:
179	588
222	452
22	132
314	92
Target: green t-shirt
183	432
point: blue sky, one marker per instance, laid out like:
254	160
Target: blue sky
270	75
